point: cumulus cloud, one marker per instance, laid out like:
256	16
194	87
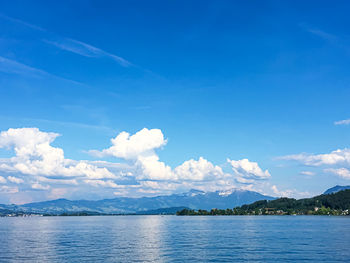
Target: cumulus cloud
38	186
198	170
15	180
141	148
285	193
2	180
342	172
340	156
289	193
34	155
44	167
248	171
129	147
152	168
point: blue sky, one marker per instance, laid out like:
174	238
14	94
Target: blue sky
264	81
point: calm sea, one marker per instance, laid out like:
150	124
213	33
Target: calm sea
175	239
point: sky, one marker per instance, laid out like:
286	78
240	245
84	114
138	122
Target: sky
100	99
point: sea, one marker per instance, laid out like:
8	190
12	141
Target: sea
175	239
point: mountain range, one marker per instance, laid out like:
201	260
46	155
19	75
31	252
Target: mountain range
194	199
167	204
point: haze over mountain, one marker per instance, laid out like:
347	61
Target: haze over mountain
194	199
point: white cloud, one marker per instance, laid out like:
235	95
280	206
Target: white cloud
38	186
34	155
142	143
248	171
152	168
334	160
56	181
243	180
289	193
108	183
2	180
342	172
198	170
141	147
15	180
8	189
285	193
308	173
342	122
46	168
335	157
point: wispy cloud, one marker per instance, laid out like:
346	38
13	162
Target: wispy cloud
85	50
342	122
17	21
14	67
80	125
74	124
320	33
337	40
307	173
72	45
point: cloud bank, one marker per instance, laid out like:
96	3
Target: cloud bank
34	155
38	166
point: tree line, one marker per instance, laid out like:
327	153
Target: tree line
326	204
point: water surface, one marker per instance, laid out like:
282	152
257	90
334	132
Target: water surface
175	239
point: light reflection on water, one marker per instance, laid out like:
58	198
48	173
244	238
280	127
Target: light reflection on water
175	239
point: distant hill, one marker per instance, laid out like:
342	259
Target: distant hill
326	204
339	200
193	199
336	189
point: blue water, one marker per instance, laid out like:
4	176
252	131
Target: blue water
175	239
